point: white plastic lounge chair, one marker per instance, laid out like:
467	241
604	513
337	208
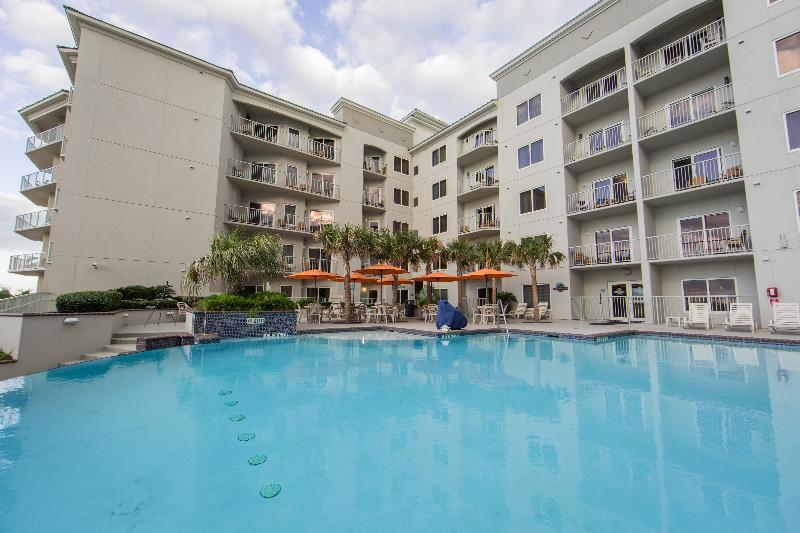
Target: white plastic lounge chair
544	311
519	312
699	316
785	317
741	316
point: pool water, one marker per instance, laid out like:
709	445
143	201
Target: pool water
386	433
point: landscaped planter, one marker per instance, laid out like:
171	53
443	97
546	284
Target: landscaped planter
233	325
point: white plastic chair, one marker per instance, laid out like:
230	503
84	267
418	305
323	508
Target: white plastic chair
740	316
519	312
699	316
785	317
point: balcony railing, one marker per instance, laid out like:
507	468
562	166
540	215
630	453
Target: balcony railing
686	110
378	166
588	94
701	243
478	223
680	51
476	140
37	179
44	138
478	180
620	308
275	135
271	219
37	219
697	175
607	253
272	176
373	199
601	196
27	262
299	264
597	142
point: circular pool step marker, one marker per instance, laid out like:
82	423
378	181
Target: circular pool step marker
224	392
231	403
257	459
244	437
270	491
236	418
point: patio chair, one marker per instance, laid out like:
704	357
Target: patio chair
544	311
741	316
314	310
699	316
488	314
399	313
429	312
785	317
336	312
519	312
373	313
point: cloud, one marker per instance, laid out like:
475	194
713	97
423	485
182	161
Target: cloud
33	70
35	23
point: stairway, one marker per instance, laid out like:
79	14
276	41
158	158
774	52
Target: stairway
124	342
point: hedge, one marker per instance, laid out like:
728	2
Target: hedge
265	301
140	292
167	303
88	301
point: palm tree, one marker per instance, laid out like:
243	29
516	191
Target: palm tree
429	250
233	260
345	242
405	254
464	255
534	253
492	254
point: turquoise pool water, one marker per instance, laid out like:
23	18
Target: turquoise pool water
392	433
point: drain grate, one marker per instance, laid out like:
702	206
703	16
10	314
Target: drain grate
231	403
224	392
257	460
270	491
236	418
244	437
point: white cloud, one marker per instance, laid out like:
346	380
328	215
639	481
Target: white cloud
33	69
35	23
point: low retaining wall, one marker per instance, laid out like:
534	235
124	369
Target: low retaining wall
233	325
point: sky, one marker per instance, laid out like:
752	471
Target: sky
390	55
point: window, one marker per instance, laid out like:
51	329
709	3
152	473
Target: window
416	169
374	225
416	201
529	110
792	123
719	292
293	139
318	259
796	212
288	256
291	176
484	295
542	291
286	290
439	224
401	197
530	154
440	294
399	227
323	147
532	200
439	155
401	165
321	294
438	263
787	54
405	198
439	189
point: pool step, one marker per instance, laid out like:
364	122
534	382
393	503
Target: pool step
132	336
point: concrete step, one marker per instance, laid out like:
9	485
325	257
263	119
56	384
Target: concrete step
119	348
134	335
98	355
70	363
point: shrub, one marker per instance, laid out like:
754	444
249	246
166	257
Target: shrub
508	298
140	292
5	356
166	303
274	301
88	301
133	304
265	301
302	302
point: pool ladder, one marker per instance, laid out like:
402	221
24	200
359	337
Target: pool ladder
503	315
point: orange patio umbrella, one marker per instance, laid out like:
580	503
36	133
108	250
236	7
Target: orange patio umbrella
381	270
388	280
433	277
314	274
486	274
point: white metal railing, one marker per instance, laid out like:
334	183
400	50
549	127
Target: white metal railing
272	176
38	302
373	199
605	86
701	243
37	179
37	219
597	142
25	262
300	263
271	219
477	223
601	196
276	135
696	175
44	138
680	51
606	253
686	110
621	308
480	179
678	306
476	140
377	166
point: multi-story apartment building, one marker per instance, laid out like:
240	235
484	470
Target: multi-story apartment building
656	141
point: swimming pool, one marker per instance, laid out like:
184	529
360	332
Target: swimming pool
363	433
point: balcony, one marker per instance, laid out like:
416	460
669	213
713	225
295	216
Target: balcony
253	219
694	54
38	186
603	95
707	177
27	264
44	147
478	226
34	225
373	202
299	264
599	148
600	200
256	177
477	146
374	168
604	255
719	243
706	112
255	135
480	185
